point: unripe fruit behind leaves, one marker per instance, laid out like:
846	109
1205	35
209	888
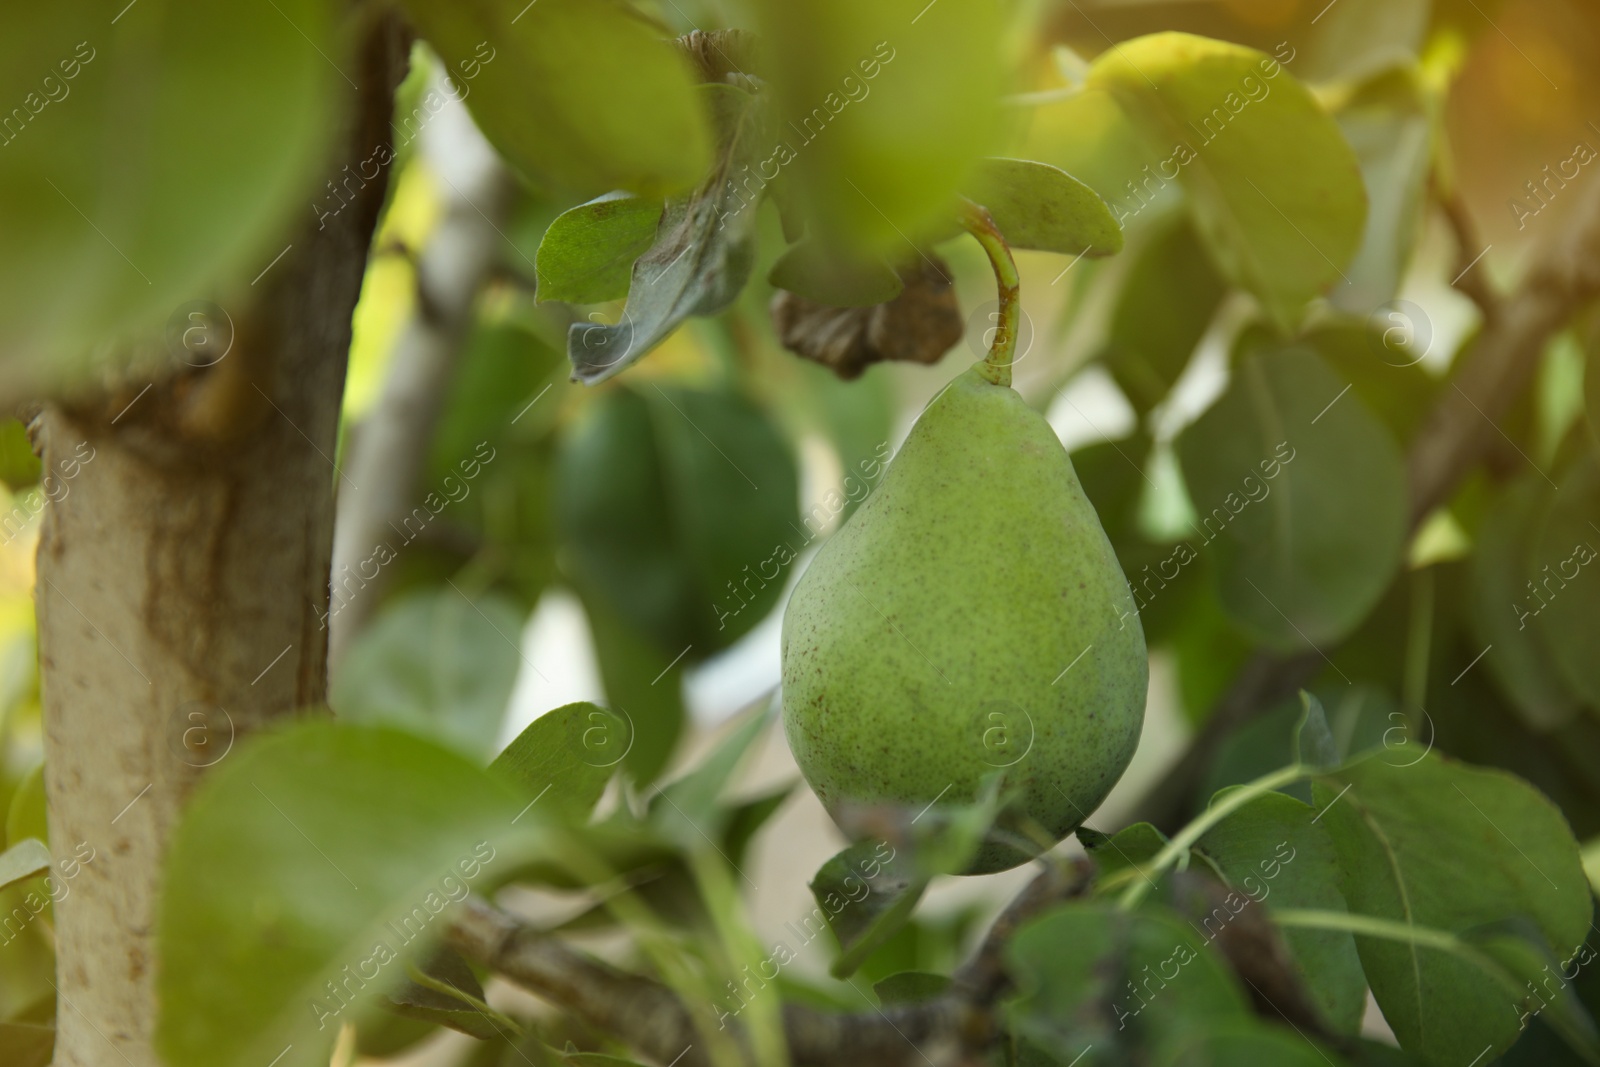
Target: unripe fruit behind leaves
969	618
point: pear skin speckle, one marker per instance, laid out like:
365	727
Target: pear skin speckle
926	646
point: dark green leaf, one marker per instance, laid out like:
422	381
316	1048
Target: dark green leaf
1380	358
832	277
1274	189
587	254
1129	847
1562	593
307	869
1041	207
566	756
1272	852
687	809
1246	1044
1302	492
748	818
1314	744
1112	474
438	664
1503	606
642	685
503	374
1162	310
250	90
1087	972
1440	845
1517	947
585	94
910	987
866	893
420	1002
676	507
702	255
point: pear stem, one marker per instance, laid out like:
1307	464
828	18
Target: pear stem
977	221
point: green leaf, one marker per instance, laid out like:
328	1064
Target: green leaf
1591	393
1361	717
307	869
19	467
1272	852
702	254
883	109
1247	1044
587	254
1498	955
866	893
910	987
566	756
28	815
1381	359
1303	493
1091	975
112	224
579	92
491	458
505	369
1564	598
27	1045
1439	845
438	664
688	809
1130	847
1314	744
1162	310
1387	125
676	507
1112	474
429	1003
746	819
642	684
1037	206
1274	189
599	1059
23	860
1504	608
828	276
1518	948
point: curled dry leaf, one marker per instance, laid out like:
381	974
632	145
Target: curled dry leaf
919	325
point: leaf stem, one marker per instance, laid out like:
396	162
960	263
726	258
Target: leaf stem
977	221
1196	829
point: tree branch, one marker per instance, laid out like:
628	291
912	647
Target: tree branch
1491	375
647	1015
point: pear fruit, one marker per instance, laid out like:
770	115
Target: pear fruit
969	619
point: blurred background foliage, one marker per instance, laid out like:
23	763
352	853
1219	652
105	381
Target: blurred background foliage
632	542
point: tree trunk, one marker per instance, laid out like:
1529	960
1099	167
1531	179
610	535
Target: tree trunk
182	585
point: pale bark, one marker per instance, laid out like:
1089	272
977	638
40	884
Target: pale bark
185	567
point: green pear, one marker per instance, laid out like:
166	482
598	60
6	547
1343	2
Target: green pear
969	619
